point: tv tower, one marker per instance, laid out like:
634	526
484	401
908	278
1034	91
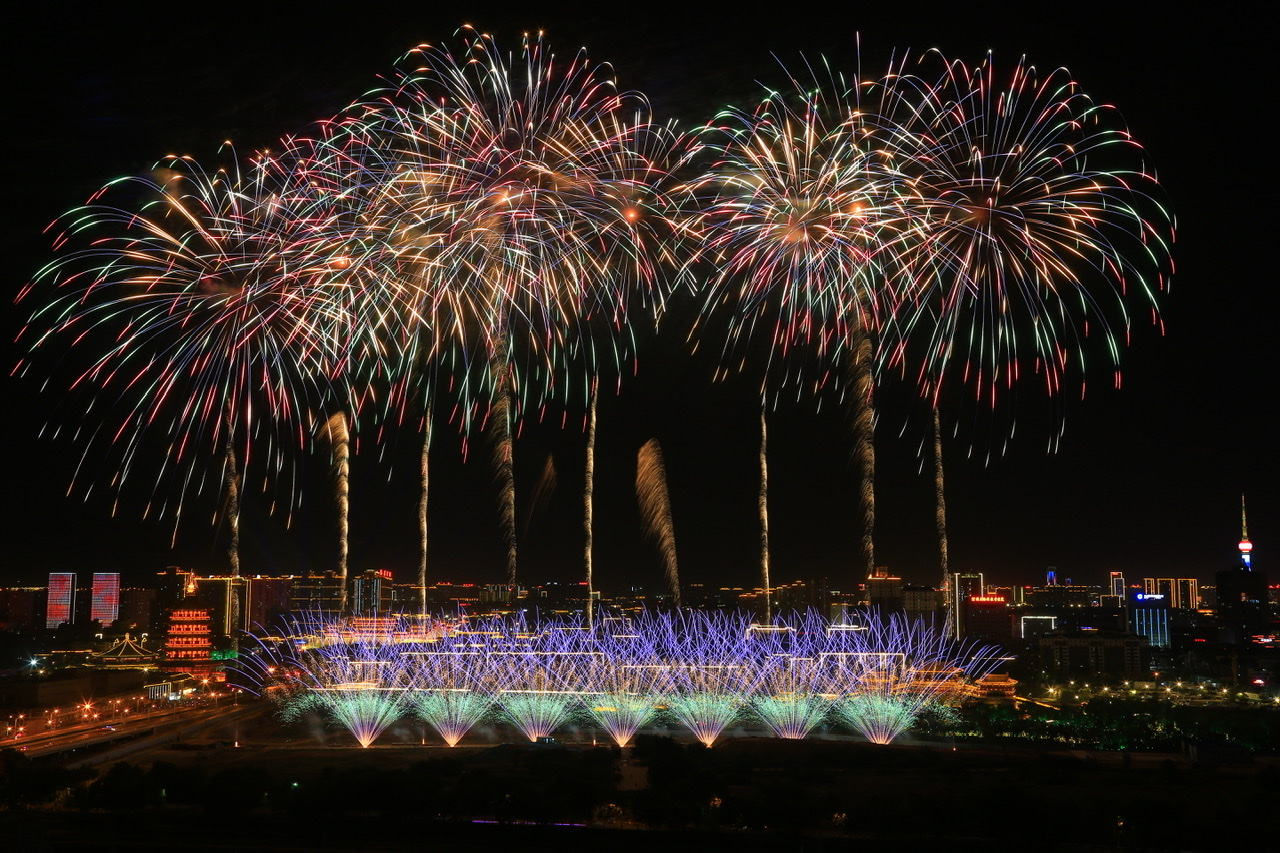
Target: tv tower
1246	547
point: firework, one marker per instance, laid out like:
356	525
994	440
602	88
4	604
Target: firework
191	301
713	670
792	697
706	669
655	508
894	669
352	674
339	440
623	686
1039	221
526	196
541	688
795	688
763	502
588	495
802	231
455	690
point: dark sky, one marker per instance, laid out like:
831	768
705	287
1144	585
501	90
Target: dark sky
1147	479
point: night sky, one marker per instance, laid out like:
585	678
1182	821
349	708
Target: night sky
1147	479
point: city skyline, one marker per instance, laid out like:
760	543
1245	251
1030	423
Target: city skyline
1147	479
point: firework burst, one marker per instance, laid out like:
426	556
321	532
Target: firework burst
191	301
527	197
1040	221
802	230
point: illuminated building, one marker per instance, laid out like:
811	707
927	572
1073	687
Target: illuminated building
104	607
1089	651
1246	547
1181	593
137	610
963	585
267	600
127	653
1064	596
61	606
996	685
1036	626
371	593
987	617
884	592
920	602
452	596
174	585
189	644
1117	584
224	596
317	594
1149	617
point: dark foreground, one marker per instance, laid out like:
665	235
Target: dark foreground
745	794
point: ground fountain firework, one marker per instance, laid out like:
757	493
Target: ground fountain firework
708	670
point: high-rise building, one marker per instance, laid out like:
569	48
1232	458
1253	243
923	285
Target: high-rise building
1117	584
223	595
268	601
920	602
1181	593
1149	617
22	608
138	611
317	594
371	592
61	605
1246	547
987	617
884	591
963	585
104	607
1033	625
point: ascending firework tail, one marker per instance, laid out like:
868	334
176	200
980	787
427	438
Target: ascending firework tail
655	508
340	444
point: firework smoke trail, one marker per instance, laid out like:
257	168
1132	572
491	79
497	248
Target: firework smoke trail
339	440
940	512
587	494
233	522
764	517
655	509
422	508
864	424
541	495
503	463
